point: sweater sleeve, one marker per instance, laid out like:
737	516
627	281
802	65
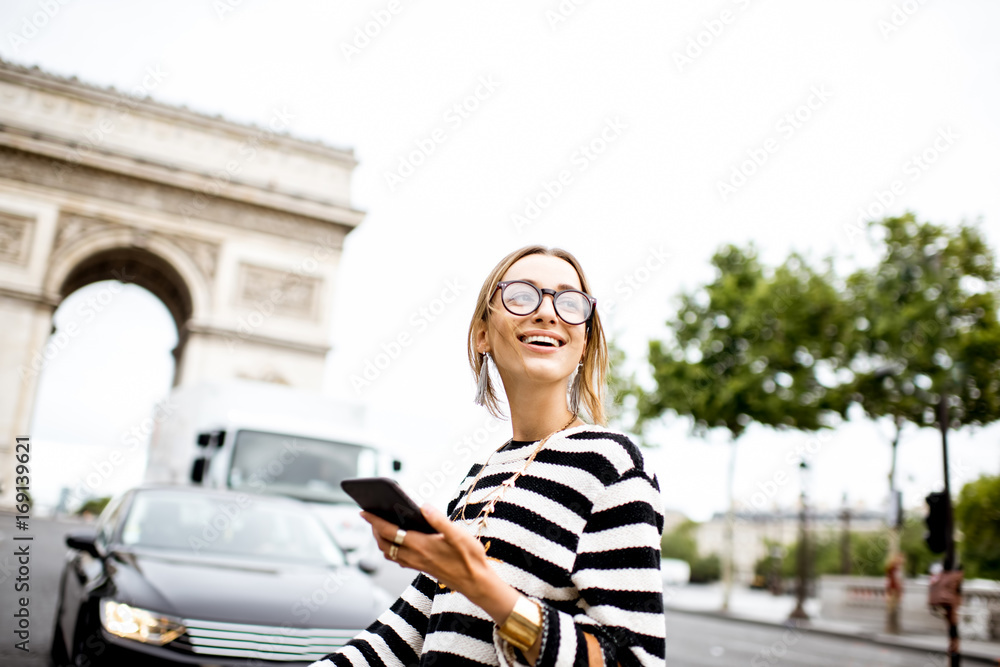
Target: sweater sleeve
617	572
396	638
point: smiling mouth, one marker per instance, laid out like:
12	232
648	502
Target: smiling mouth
541	341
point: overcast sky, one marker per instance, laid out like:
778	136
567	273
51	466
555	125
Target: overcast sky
834	101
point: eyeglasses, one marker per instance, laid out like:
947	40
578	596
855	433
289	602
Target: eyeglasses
522	298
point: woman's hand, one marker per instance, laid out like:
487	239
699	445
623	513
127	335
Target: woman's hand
458	560
453	557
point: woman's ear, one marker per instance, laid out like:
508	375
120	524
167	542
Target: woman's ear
482	341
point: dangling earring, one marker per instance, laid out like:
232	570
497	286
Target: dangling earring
483	388
574	392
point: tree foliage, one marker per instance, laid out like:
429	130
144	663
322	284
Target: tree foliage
749	347
681	543
977	515
868	553
94	506
925	323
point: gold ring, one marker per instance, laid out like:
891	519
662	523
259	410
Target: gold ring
393	550
400	536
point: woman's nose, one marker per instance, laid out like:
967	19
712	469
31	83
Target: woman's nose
547	308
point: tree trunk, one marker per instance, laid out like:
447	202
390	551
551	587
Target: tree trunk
727	548
895	558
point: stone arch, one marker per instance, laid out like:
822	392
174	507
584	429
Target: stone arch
237	229
153	263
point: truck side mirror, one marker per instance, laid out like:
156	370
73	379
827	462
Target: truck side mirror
211	438
397	465
198	469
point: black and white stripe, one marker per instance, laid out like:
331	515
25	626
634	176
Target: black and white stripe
579	532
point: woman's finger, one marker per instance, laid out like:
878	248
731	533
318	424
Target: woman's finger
438	520
380	527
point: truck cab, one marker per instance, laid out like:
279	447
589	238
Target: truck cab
273	440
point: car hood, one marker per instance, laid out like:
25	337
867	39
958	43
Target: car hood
245	591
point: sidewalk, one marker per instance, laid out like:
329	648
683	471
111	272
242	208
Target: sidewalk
761	607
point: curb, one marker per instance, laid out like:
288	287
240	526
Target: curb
868	636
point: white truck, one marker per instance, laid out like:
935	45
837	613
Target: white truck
265	438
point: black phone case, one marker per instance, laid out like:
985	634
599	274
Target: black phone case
385	499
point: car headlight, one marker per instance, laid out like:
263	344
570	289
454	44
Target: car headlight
129	622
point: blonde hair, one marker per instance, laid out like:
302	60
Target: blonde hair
595	354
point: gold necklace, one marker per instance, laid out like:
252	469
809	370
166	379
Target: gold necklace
490	505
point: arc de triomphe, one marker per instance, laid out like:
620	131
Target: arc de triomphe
237	229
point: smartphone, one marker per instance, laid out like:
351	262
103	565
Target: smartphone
385	499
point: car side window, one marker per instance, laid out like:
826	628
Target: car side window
108	520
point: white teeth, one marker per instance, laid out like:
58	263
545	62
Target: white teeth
554	342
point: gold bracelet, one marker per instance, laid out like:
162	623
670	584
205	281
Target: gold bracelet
522	627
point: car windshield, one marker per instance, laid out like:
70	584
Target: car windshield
305	468
238	526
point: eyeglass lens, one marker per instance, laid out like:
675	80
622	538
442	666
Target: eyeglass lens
524	298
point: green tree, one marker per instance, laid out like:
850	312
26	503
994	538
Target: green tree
925	327
751	346
681	543
926	337
868	553
94	505
621	389
977	515
918	556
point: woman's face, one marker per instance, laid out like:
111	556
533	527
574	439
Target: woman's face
509	338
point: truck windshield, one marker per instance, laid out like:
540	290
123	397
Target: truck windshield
305	468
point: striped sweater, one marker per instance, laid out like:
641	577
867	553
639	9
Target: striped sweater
579	533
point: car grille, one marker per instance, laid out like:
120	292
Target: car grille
262	642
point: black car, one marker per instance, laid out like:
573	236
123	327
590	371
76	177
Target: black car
179	575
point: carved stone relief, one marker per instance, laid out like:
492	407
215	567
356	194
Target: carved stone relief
72	176
204	254
16	232
283	292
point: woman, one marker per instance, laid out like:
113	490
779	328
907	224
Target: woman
550	551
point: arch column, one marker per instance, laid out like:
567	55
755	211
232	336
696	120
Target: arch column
27	322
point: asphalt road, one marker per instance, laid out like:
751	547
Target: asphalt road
697	641
47	552
692	640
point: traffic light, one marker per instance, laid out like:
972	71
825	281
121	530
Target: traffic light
937	522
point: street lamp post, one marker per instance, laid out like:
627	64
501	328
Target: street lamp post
802	560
